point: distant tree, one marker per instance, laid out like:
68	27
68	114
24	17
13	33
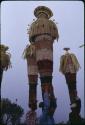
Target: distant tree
4	60
4	63
16	113
5	110
10	112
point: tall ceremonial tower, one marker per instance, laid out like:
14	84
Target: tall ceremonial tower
42	34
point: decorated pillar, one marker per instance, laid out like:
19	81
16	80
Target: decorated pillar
29	54
42	33
69	67
32	70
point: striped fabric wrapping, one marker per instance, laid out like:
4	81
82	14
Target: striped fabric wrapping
44	54
44	43
32	65
45	73
33	91
32	98
43	37
46	85
32	79
31	60
46	80
45	67
48	88
32	70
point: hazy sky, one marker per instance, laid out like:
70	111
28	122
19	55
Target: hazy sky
15	16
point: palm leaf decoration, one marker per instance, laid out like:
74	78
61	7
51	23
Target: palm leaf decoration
29	51
4	57
82	46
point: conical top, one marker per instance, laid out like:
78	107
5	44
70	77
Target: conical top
42	9
66	48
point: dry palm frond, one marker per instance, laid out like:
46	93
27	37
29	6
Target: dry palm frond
29	51
4	57
3	47
82	46
26	52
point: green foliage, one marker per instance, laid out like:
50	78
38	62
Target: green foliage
16	113
12	111
4	57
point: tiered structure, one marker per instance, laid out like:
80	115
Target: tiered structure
39	54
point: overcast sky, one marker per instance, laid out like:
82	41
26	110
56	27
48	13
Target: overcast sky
15	16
